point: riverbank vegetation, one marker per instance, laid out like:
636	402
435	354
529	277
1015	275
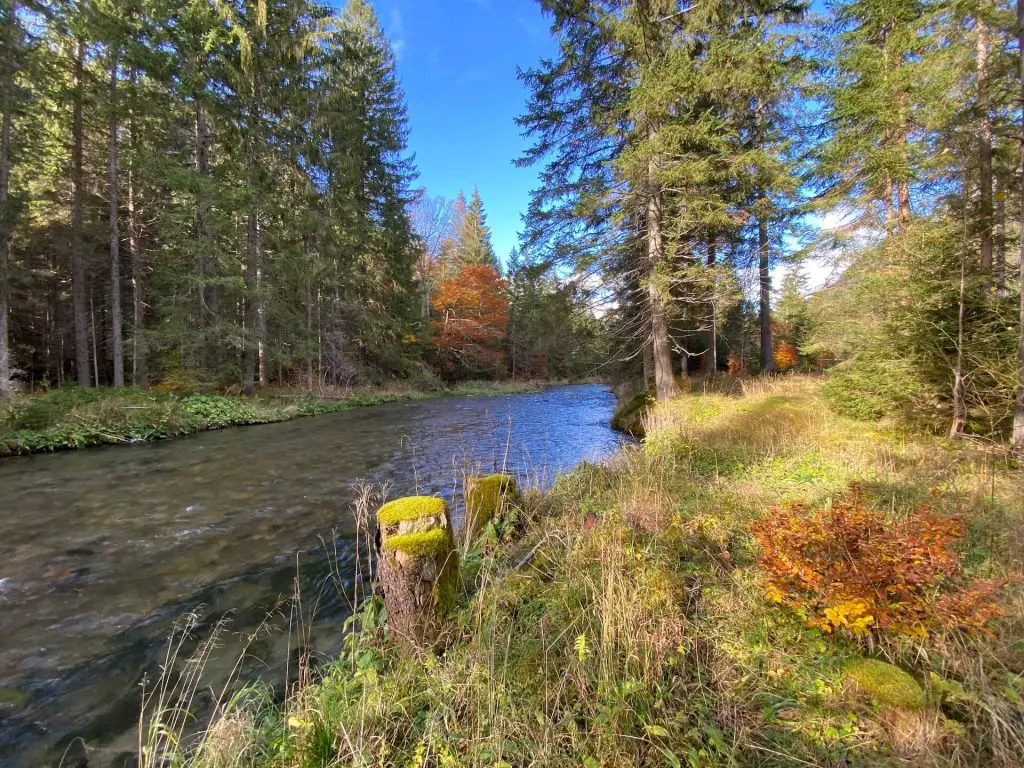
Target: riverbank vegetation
75	417
643	619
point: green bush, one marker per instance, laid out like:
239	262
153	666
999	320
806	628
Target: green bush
869	388
45	409
217	410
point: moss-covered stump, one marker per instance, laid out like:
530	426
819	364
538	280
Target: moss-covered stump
886	684
417	566
629	417
487	499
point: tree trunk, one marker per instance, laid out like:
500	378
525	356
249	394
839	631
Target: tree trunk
890	213
117	337
139	376
709	363
10	38
903	191
309	307
417	566
251	352
959	389
1000	237
984	150
765	281
209	303
79	297
648	357
95	346
1018	419
661	347
903	183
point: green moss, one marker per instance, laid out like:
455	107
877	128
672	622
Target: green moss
13	699
429	543
887	684
629	418
444	588
484	499
411	508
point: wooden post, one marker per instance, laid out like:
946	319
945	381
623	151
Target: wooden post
417	567
487	499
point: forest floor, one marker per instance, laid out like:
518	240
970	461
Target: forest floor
59	419
640	632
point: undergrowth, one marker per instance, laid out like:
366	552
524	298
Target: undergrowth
629	624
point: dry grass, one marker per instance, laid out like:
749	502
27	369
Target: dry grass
638	633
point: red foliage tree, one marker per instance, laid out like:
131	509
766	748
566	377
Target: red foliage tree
786	356
470	321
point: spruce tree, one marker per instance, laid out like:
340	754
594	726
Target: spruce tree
474	236
872	67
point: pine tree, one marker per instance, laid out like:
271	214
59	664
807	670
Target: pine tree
474	236
873	63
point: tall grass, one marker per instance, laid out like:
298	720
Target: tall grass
628	625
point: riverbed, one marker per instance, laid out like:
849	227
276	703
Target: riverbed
104	551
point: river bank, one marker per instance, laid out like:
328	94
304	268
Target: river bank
62	419
104	551
633	622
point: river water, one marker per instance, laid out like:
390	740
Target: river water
102	551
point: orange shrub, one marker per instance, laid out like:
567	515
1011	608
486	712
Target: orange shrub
786	356
736	366
847	568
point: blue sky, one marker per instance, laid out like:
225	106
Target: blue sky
457	60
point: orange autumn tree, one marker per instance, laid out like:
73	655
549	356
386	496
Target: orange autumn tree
470	323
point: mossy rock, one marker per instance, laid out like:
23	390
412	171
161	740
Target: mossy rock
629	417
486	500
418	566
886	684
13	699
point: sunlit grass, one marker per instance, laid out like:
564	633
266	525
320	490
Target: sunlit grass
628	624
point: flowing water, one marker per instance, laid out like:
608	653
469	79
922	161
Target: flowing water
103	550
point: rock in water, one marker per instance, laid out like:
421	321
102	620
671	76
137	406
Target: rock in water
417	567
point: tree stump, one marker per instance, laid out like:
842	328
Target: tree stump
487	499
417	566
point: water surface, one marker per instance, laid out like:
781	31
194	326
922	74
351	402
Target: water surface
102	550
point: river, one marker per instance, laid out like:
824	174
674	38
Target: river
103	550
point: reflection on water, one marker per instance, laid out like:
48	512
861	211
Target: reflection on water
102	550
